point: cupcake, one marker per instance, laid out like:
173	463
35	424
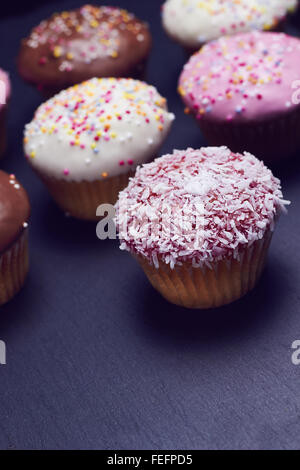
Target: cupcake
200	223
74	46
193	23
240	89
14	217
5	90
86	141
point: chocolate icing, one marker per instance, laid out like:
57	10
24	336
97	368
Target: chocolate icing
14	210
74	46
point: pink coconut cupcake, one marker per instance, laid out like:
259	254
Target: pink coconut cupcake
5	90
243	92
200	223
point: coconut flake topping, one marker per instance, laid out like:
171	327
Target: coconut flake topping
198	205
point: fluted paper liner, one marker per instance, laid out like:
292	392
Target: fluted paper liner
14	266
204	288
81	199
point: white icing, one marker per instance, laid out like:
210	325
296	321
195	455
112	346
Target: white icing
132	139
194	22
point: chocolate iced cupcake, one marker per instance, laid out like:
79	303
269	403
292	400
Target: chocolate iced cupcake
14	215
74	46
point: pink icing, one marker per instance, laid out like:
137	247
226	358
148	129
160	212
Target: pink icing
197	205
243	78
5	79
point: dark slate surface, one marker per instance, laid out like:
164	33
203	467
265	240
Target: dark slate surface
96	359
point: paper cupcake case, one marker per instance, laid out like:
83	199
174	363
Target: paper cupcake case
14	266
81	199
270	140
204	288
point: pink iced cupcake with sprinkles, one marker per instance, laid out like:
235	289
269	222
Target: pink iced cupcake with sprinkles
86	141
242	91
200	223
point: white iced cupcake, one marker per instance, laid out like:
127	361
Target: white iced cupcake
192	23
86	141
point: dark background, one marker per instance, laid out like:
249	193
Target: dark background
96	359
